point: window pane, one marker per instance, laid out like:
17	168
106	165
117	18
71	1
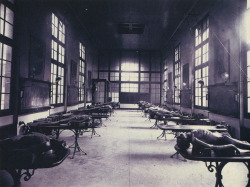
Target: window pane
129	66
155	77
248	104
9	16
248	58
7	52
248	89
6	69
144	88
114	76
2	11
205	53
129	76
54	50
248	81
82	51
1	47
5	85
1	26
8	30
5	101
129	87
144	77
144	68
54	26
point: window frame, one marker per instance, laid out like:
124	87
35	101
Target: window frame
247	62
81	75
139	66
201	63
165	82
6	43
177	74
114	88
58	57
130	87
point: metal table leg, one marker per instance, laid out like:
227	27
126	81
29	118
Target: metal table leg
162	135
218	167
75	145
248	175
177	156
94	132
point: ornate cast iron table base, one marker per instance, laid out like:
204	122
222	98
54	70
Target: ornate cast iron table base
218	167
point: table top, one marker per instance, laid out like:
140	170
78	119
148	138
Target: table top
188	155
66	123
188	128
177	118
58	127
97	116
186	120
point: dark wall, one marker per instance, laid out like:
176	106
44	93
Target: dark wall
7	131
32	56
33	43
224	19
224	99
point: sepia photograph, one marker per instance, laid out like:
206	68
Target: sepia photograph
124	93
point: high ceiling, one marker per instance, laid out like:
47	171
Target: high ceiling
160	19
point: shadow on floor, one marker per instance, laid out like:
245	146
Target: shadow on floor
143	128
146	156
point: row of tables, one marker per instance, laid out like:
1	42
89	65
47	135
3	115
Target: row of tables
186	124
77	121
